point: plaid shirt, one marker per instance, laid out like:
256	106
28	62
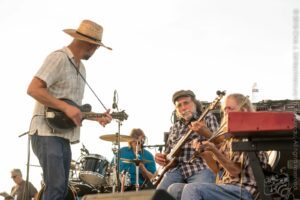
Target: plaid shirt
248	180
176	132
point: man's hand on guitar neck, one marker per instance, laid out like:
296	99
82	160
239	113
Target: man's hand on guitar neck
160	159
104	120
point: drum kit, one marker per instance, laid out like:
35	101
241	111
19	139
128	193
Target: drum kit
95	174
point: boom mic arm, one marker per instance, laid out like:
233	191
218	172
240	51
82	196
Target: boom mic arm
153	146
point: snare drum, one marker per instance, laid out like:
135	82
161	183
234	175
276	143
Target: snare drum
71	195
93	169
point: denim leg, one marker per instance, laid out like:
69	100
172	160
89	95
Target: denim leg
207	191
203	176
170	177
176	190
54	154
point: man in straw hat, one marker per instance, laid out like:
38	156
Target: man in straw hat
62	75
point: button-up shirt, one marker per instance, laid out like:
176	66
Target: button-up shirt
177	131
63	81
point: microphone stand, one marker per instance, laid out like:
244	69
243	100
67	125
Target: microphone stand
118	157
115	106
119	121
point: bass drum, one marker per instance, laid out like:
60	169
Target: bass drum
71	195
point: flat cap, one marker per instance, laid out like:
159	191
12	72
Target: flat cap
182	93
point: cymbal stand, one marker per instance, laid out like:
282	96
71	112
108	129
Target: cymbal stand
119	121
114	166
137	184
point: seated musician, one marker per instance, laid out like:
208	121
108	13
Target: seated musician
236	180
146	170
188	109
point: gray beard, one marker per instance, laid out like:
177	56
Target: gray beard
187	116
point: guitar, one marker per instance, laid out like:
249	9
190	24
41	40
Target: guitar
58	120
172	162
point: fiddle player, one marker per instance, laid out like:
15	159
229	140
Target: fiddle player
236	180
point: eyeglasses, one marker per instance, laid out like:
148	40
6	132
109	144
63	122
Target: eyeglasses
183	103
229	108
13	177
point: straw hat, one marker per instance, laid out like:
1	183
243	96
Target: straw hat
88	31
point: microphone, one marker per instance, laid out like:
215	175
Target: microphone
142	146
115	105
83	149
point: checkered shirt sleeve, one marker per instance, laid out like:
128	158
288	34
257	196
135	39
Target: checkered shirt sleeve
178	130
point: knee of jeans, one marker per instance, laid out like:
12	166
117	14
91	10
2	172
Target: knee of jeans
176	187
175	190
193	187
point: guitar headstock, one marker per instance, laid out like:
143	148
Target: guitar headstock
119	115
220	94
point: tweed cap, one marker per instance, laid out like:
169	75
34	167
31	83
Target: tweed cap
182	93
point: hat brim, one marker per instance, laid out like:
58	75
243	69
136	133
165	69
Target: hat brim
74	34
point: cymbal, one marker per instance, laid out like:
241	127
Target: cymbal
73	165
113	138
135	161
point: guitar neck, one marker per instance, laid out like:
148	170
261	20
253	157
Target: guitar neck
91	115
181	142
176	150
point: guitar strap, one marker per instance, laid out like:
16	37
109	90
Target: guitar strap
78	72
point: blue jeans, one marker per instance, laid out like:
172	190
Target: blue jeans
174	182
208	191
54	154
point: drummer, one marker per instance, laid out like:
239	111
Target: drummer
146	169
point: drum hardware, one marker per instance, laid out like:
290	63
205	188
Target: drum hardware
93	169
159	146
135	161
74	165
116	139
113	138
111	180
